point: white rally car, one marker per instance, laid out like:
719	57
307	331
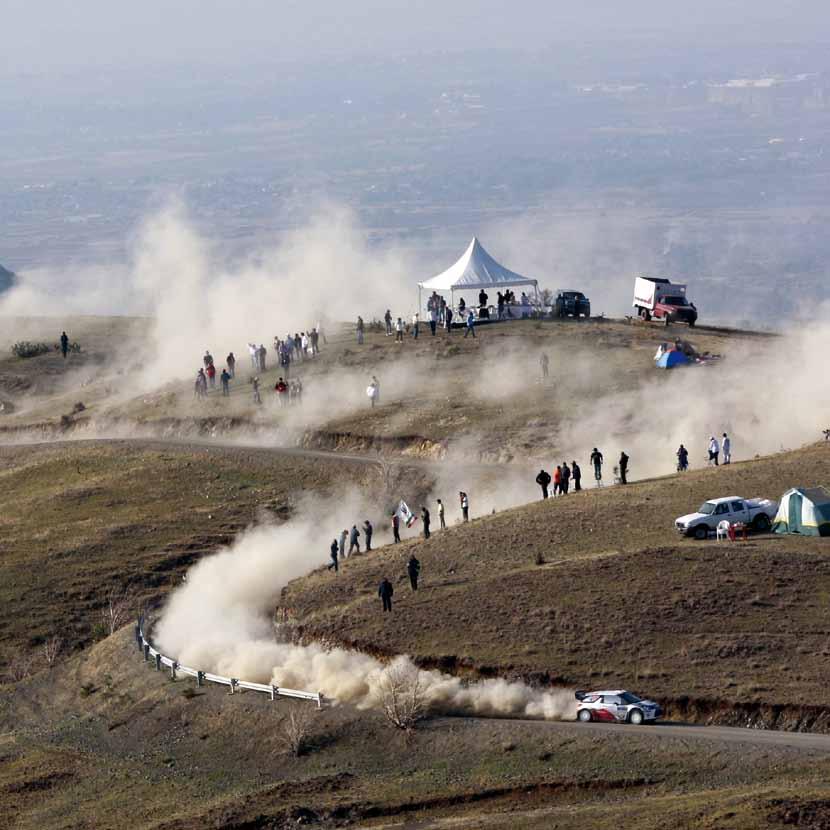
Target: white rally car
616	706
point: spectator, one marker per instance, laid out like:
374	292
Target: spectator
333	555
442	524
544	362
399	331
359	331
433	320
448	319
225	378
465	506
416	320
682	459
255	387
413	568
623	468
596	460
231	362
342	546
557	480
566	478
576	475
367	534
426	521
543	480
354	540
385	592
714	450
64	344
726	448
396	527
471	325
387	318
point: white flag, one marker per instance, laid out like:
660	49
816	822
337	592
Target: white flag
405	514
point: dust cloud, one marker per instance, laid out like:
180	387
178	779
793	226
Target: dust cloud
220	621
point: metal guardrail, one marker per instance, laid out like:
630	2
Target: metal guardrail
153	655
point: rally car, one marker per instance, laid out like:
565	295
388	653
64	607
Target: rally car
616	707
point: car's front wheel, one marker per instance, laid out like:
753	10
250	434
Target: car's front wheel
636	717
701	533
584	715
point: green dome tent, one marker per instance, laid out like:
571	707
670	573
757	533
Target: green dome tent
806	512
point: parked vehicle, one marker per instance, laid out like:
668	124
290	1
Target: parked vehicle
616	706
753	513
570	303
663	300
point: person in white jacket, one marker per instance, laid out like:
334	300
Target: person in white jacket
726	446
714	449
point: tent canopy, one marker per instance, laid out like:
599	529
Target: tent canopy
804	511
475	269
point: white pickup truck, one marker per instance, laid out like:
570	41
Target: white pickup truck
754	513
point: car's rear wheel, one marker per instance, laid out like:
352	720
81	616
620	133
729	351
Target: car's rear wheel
584	715
701	533
761	523
636	717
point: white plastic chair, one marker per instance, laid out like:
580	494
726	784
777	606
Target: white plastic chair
723	530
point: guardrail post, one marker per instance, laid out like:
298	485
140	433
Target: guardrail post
234	681
173	666
319	700
158	662
274	692
200	678
146	652
138	637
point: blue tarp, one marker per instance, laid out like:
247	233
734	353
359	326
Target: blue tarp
669	360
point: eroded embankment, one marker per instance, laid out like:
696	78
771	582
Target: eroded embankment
754	714
413	446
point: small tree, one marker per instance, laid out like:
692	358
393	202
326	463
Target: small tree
20	667
116	611
296	727
52	648
401	695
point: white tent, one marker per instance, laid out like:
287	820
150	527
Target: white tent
475	269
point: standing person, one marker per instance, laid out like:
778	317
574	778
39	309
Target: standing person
368	530
207	359
416	321
305	343
413	568
433	320
64	344
231	363
333	555
262	353
315	341
321	332
387	318
354	540
342	546
576	474
596	460
426	520
448	319
543	480
255	387
281	388
225	378
298	346
500	304
376	382
623	468
252	351
385	592
441	522
399	331
211	373
471	325
726	447
359	330
396	527
714	449
373	392
544	362
557	480
465	506
682	459
566	477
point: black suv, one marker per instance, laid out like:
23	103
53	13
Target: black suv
571	304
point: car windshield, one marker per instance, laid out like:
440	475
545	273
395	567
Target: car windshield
573	295
707	508
675	301
627	697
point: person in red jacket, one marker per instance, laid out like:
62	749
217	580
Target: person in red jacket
281	388
211	373
557	481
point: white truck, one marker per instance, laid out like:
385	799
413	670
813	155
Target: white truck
756	514
661	299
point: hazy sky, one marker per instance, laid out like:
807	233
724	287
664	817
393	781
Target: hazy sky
57	34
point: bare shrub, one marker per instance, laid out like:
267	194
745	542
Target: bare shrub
401	696
20	666
295	728
116	611
52	648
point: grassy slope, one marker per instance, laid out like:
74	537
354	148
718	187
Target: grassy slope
105	741
79	520
621	600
